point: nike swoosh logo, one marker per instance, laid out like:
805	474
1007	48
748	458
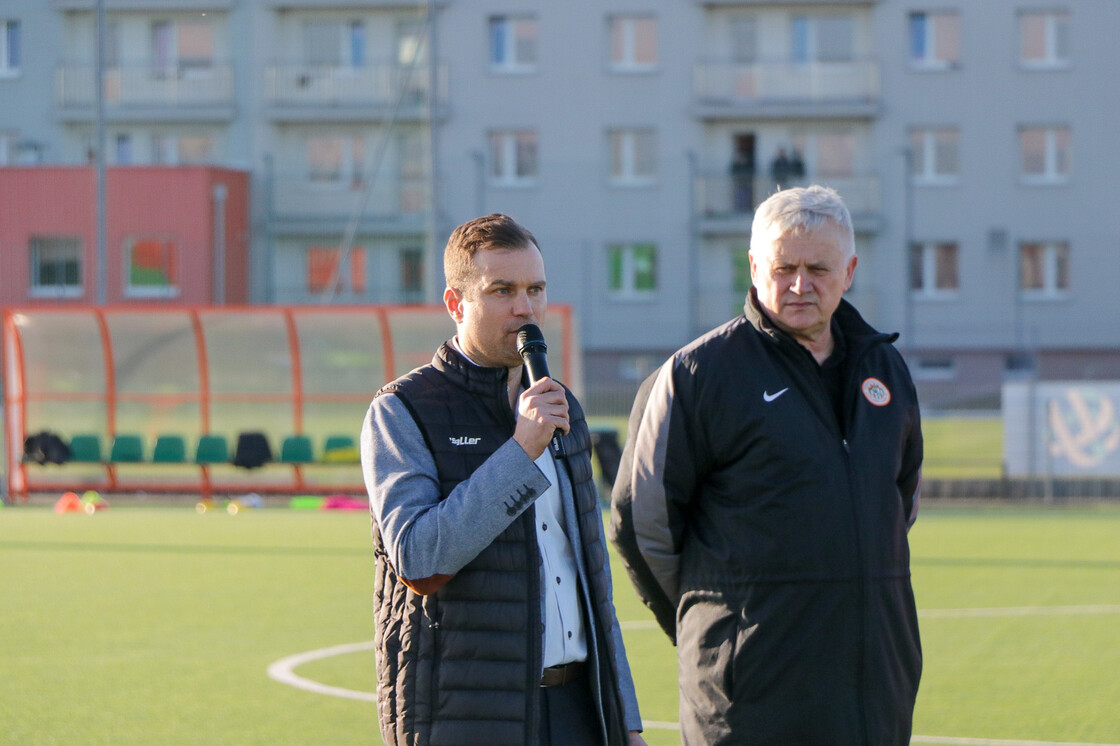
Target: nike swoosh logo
768	397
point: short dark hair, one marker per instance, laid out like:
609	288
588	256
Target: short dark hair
493	231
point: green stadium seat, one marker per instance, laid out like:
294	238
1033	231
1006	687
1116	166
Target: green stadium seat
340	449
212	449
296	449
126	449
85	449
169	449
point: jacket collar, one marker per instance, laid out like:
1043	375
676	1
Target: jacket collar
475	378
851	325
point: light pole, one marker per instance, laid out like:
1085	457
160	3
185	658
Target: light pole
99	97
908	247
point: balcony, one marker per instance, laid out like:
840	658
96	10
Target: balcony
300	205
301	91
147	92
783	89
725	205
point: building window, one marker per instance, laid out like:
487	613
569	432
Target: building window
412	274
632	270
1043	268
741	269
325	271
633	156
411	171
822	39
151	267
1044	39
56	266
122	149
335	44
10	48
1045	154
935	369
513	157
336	161
7	148
934	155
744	40
827	155
935	40
934	268
514	44
184	150
180	47
633	42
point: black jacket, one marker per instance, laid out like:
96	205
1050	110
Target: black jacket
462	665
769	536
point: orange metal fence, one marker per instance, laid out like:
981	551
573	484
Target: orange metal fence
147	397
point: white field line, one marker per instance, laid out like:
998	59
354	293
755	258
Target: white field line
1010	611
999	742
1019	611
282	670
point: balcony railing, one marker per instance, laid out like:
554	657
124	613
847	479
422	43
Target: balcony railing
722	196
376	85
300	197
174	85
741	83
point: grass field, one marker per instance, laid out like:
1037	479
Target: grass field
156	625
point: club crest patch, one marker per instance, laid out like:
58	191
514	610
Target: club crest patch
876	392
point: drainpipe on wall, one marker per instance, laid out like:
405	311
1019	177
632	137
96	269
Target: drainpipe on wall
218	292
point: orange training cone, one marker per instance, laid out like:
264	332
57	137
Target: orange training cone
69	503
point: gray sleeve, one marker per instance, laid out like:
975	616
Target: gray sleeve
424	535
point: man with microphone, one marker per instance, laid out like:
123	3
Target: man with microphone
494	619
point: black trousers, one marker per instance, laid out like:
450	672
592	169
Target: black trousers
569	716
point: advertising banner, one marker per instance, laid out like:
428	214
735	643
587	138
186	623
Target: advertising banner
1061	428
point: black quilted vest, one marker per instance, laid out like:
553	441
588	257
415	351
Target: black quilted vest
461	666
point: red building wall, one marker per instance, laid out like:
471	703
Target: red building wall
173	203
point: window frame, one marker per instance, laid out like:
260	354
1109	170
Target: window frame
505	149
167	242
806	38
1053	29
351	165
1053	155
624	60
35	289
622	261
929	61
628	146
510	25
927	150
929	257
11	54
353	279
1055	267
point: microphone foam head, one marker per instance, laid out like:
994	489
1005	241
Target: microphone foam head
530	335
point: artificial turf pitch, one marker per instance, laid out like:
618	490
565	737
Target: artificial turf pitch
157	625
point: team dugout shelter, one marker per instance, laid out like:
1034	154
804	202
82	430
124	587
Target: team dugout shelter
211	400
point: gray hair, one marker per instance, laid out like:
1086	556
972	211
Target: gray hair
800	210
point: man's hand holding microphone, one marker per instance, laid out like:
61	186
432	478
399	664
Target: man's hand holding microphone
542	409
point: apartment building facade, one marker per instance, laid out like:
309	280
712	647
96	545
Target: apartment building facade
971	141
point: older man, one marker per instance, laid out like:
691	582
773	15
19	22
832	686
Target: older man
764	497
494	622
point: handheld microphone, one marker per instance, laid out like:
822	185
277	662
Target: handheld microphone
533	350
